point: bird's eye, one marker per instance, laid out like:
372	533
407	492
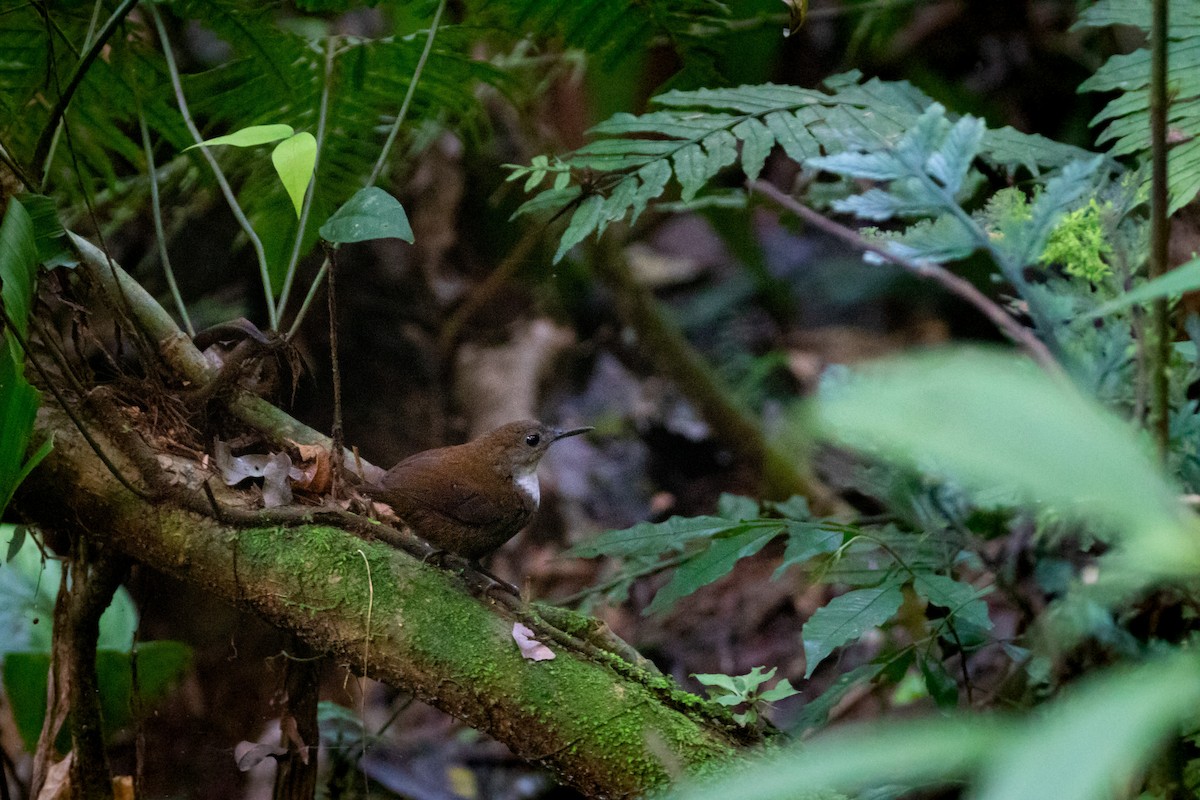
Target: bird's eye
533	439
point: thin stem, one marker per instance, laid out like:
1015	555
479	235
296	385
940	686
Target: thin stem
7	160
308	298
159	234
1010	270
338	459
41	151
1158	339
322	115
408	96
177	85
952	283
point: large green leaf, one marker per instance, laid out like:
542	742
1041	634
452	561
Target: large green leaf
160	665
294	159
249	136
1076	748
993	420
713	564
371	213
28	587
847	617
18	399
892	754
962	600
18	267
1106	731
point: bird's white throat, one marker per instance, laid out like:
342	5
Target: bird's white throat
529	484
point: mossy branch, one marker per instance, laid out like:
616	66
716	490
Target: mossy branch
605	733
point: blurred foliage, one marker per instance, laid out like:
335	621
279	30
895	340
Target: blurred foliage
29	584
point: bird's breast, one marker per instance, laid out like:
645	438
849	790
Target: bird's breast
529	485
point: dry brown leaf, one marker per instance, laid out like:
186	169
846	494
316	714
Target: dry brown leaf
530	647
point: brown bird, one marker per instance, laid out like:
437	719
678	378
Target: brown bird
471	498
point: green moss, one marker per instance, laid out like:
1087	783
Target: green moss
1079	244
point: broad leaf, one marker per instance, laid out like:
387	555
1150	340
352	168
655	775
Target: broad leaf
991	419
806	541
18	267
249	137
371	213
962	600
1106	731
160	666
713	564
889	753
846	618
294	160
816	711
18	399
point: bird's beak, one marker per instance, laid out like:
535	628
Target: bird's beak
574	432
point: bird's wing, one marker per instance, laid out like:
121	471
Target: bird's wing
426	485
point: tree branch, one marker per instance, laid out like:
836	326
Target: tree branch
596	727
959	287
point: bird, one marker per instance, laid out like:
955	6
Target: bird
469	499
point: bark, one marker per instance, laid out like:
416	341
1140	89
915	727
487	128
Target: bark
610	729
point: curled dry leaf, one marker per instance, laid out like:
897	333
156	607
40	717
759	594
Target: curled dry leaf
315	468
248	755
276	489
275	469
57	785
530	647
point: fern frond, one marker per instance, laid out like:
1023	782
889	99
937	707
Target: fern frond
1124	118
612	29
699	133
103	111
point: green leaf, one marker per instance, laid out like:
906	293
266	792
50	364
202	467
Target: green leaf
294	160
718	680
18	267
805	542
18	411
816	711
779	691
993	420
713	564
54	250
757	143
887	753
1184	278
952	160
15	542
1106	730
943	239
161	665
737	507
371	213
939	683
249	137
961	599
672	535
583	222
845	618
